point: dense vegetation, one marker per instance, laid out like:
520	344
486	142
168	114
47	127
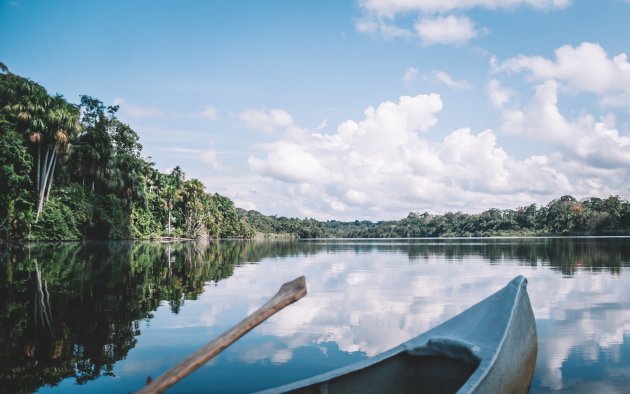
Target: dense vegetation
564	216
75	171
71	172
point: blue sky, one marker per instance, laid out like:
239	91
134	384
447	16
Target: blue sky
363	109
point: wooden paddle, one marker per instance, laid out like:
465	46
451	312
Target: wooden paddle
288	294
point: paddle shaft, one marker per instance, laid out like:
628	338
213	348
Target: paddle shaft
286	295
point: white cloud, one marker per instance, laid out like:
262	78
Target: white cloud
380	27
596	143
394	159
208	112
387	164
322	125
266	121
448	29
207	156
365	25
410	75
291	163
139	111
390	8
499	96
584	68
210	157
478	157
588	150
445	79
356	197
433	27
177	149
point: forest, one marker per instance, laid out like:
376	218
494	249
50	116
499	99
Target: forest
564	216
75	171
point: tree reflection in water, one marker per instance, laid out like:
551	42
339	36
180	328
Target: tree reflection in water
72	310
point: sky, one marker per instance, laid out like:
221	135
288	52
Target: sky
362	109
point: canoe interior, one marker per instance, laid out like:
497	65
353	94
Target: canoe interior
403	373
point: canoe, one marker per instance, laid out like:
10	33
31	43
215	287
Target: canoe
489	348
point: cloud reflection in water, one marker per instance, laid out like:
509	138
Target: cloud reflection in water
371	301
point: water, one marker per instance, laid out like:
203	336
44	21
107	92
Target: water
101	317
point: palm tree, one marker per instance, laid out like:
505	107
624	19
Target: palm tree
48	123
61	124
27	102
93	155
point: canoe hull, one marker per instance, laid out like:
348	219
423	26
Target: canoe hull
489	348
515	363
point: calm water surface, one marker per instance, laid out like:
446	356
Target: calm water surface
101	317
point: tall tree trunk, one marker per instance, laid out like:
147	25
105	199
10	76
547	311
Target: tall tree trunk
42	166
48	164
39	159
52	176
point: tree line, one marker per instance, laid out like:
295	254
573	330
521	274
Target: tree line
563	216
75	171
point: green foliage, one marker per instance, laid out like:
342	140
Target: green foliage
57	222
110	218
143	224
227	222
79	201
15	182
103	188
564	216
